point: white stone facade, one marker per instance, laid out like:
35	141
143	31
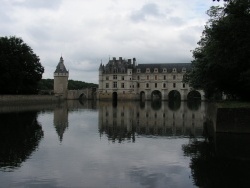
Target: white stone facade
125	80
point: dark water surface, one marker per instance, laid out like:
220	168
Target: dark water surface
128	144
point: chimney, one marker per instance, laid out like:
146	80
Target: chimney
134	60
120	59
129	61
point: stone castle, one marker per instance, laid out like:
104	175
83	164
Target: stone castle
124	79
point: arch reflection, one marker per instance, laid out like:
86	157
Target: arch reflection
127	120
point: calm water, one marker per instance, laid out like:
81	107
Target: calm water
118	145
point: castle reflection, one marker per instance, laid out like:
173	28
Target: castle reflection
124	120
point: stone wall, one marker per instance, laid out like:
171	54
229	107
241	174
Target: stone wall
27	99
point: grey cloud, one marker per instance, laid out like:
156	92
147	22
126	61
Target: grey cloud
191	36
150	9
175	21
38	4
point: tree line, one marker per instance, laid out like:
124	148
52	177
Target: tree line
221	62
48	84
20	67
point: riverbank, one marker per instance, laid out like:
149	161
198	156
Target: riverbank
28	99
233	104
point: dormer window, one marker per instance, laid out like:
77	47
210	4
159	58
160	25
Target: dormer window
138	70
174	69
183	69
155	70
164	70
147	70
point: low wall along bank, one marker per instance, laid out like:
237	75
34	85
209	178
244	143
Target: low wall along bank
8	99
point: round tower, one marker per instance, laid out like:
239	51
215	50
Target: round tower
61	76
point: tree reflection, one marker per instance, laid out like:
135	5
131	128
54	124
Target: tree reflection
19	137
213	168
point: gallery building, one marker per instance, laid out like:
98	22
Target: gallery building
124	79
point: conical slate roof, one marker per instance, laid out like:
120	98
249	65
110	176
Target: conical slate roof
60	68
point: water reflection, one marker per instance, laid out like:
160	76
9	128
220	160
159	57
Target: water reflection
222	162
148	157
127	119
61	122
61	113
19	137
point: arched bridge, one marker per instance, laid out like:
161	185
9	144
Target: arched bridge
88	93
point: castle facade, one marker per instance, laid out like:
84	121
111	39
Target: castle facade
124	79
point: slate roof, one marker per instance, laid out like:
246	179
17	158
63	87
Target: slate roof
60	68
161	66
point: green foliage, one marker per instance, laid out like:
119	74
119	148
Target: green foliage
20	68
48	84
74	84
222	59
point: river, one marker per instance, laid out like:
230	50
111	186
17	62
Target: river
126	144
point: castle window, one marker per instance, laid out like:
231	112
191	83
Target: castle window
174	69
147	85
147	77
138	77
164	85
183	69
184	85
138	85
107	78
155	70
155	85
122	85
114	84
107	85
165	77
174	85
138	70
147	70
115	77
164	70
155	77
122	77
174	77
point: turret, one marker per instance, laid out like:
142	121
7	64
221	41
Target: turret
61	75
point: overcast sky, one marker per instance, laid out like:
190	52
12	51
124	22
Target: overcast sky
86	32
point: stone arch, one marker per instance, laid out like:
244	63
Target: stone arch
156	95
194	95
174	95
142	96
82	96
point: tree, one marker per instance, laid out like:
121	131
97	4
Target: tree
20	68
48	84
222	59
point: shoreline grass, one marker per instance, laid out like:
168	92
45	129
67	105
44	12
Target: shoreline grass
232	104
